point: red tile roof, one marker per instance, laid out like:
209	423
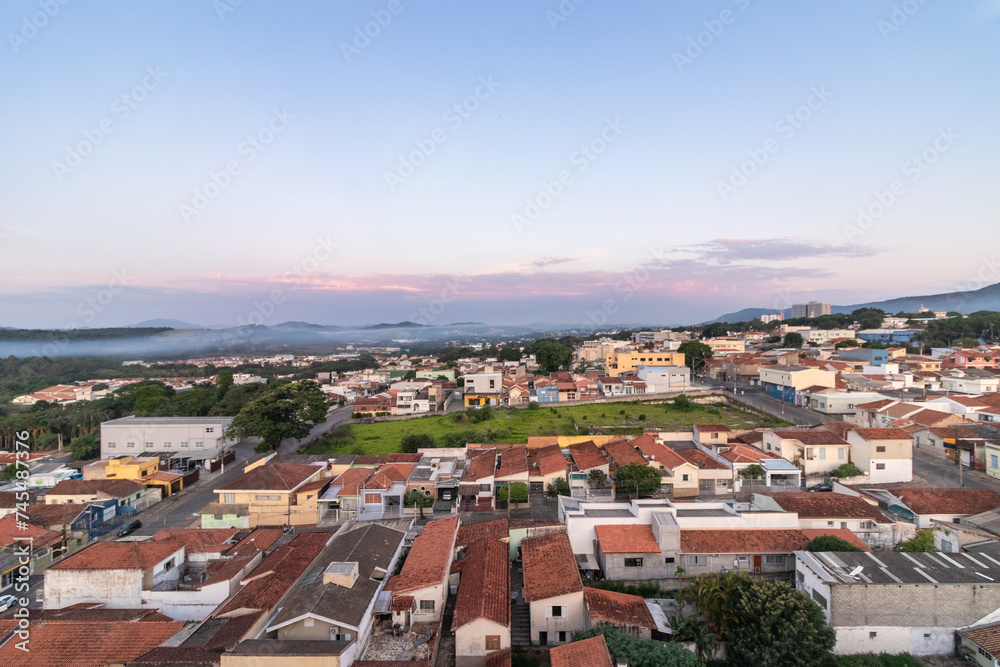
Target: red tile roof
401	603
545	461
260	539
839	428
494	659
842	533
54	515
429	559
740	453
701	459
947	501
586	455
484	589
927	417
627	539
883	433
657	453
116	488
274	477
617	608
809	505
497	529
87	644
591	652
811	437
549	567
119	556
351	480
743	541
271	580
513	461
199	540
11	533
710	428
480	467
623	453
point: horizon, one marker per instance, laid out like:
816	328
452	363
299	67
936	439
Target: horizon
581	163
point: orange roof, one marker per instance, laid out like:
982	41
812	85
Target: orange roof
618	608
480	467
743	541
513	461
883	433
658	454
627	539
546	460
274	477
88	644
701	459
739	453
809	505
549	567
586	455
473	532
484	589
810	437
119	555
947	501
591	652
842	533
710	428
13	531
401	603
351	480
623	453
430	556
199	540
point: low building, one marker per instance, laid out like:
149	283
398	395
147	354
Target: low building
632	552
482	389
885	455
899	602
788	382
627	361
664	379
815	451
591	652
481	621
126	492
184	441
628	613
980	644
269	495
553	589
421	588
838	510
942	504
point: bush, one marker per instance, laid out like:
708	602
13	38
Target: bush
846	470
621	412
533	405
684	403
414	441
876	660
641	653
85	447
830	543
642	417
923	541
558	488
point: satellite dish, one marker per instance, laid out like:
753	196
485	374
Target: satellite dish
856	571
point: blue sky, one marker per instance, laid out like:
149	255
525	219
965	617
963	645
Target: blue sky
568	167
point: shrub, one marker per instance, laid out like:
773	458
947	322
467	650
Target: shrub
846	470
642	417
830	543
533	405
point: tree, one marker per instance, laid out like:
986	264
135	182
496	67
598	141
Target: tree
287	411
598	479
410	375
923	541
518	492
793	339
224	381
415	441
85	447
8	472
638	478
830	543
776	626
533	405
714	597
559	487
509	354
550	355
753	472
641	652
416	497
694	353
846	470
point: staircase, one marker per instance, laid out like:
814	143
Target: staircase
520	624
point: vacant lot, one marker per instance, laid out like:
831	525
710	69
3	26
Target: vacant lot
516	424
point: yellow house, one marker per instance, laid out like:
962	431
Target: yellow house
720	345
619	362
122	467
276	494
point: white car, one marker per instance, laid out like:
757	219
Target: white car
7	601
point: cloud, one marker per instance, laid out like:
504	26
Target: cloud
550	261
727	251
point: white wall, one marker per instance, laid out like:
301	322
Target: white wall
117	589
574	620
470	639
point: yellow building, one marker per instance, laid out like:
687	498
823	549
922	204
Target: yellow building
721	345
620	362
275	494
123	467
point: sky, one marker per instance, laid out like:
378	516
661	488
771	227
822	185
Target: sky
584	161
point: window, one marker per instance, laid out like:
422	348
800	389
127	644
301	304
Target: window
697	560
822	453
868	525
774	560
562	635
210	429
373	499
228	498
840	453
820	600
169	565
880	449
994	461
685	478
872	635
556	611
830	524
131	445
340	636
427	605
668	560
484	488
879	466
492	642
633	562
843	524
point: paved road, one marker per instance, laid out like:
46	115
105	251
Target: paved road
756	398
932	470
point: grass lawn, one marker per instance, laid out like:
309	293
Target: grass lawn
516	424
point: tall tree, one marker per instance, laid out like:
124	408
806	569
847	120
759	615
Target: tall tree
638	478
287	411
694	353
550	355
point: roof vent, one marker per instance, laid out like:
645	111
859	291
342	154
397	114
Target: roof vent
341	574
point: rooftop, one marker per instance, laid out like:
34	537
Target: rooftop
549	567
618	608
591	652
809	505
745	541
116	488
586	455
119	556
627	538
429	559
484	587
947	501
88	644
893	568
274	477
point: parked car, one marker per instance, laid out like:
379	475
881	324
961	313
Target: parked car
129	527
822	487
7	601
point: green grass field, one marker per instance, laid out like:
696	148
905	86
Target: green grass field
516	424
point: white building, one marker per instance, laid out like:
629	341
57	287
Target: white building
191	438
660	379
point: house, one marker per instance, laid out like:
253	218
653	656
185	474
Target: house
335	600
664	379
633	552
586	456
481	621
476	486
622	453
87	643
184	441
763	551
777	471
146	471
591	652
382	492
627	361
126	492
833	402
268	495
980	644
553	589
884	454
816	452
710	434
714	476
113	573
546	465
628	613
421	587
820	511
950	505
25	546
512	467
898	602
680	476
788	382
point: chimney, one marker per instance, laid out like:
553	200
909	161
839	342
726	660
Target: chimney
341	574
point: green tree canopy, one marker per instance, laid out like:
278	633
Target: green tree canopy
830	543
598	479
510	353
923	541
641	652
776	626
85	446
793	339
287	411
638	478
550	355
694	352
415	441
518	492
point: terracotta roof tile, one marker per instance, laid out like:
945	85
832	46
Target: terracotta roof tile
429	559
494	659
498	529
617	608
627	539
712	428
623	453
843	533
947	501
513	461
484	589
701	459
740	453
116	488
591	652
199	540
54	515
743	541
586	455
401	603
119	556
545	461
351	480
883	433
274	477
11	532
657	453
809	505
84	644
811	437
549	567
480	467
987	637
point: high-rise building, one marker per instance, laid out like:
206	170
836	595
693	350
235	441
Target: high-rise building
811	309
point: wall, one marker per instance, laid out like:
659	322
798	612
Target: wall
895	639
941	605
654	566
470	640
118	589
573	621
438	593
